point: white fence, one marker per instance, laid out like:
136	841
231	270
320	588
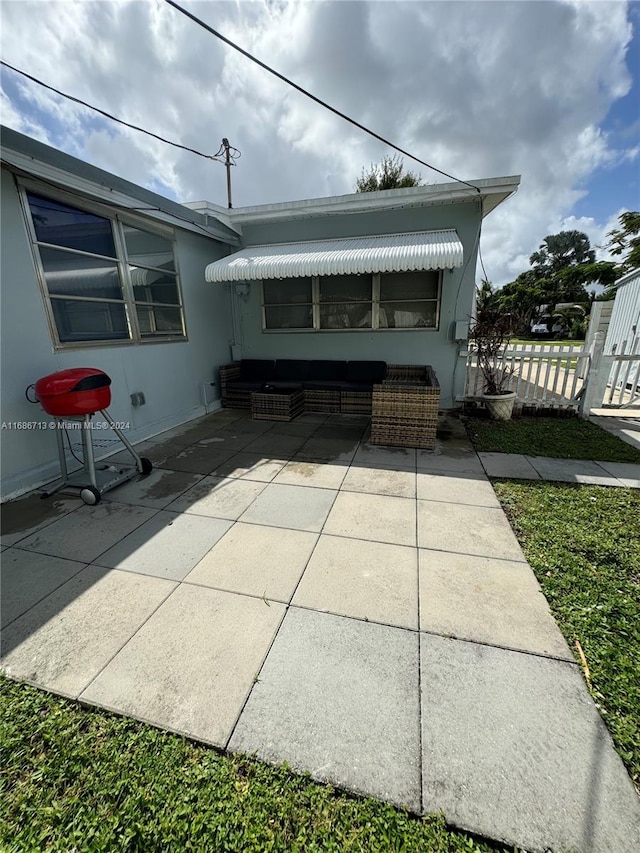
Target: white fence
545	376
624	381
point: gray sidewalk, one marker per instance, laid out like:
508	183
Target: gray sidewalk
582	471
364	613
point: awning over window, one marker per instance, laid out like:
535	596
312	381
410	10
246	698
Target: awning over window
425	250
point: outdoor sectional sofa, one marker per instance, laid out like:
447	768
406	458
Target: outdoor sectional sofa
402	400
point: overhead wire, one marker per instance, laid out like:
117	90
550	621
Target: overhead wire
313	97
109	115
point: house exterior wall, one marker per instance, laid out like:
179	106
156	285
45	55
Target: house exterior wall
625	316
407	346
169	374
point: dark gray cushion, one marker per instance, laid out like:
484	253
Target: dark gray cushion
292	369
325	385
330	370
254	369
366	371
245	385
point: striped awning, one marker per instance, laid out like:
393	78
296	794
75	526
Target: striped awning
424	250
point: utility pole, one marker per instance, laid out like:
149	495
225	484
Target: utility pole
228	164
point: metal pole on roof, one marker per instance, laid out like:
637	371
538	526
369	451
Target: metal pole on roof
227	163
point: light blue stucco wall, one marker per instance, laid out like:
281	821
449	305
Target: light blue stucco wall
407	346
170	375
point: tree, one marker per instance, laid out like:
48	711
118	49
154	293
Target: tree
625	240
386	175
558	251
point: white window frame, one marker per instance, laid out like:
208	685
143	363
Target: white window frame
375	311
128	301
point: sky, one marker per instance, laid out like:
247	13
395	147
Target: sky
545	89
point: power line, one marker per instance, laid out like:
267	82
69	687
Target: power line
313	97
108	115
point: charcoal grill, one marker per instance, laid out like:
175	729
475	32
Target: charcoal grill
76	395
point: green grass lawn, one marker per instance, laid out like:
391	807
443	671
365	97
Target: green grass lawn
583	543
540	341
80	779
562	438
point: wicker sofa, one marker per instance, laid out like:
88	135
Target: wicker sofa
402	400
328	385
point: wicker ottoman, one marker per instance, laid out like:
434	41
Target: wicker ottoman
280	405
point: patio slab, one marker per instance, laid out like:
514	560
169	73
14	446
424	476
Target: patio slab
456	487
626	472
23	517
322	705
572	471
167	546
365	580
26	578
88	532
378	518
251	466
514	749
336	450
380	481
198	459
459	457
276	445
296	507
192	664
256	560
378	456
64	641
320	474
479	530
498	602
156	490
513	465
218	498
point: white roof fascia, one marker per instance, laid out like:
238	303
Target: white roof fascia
627	277
65	180
492	190
423	250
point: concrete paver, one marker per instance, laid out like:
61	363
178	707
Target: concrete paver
24	517
626	472
498	602
86	533
256	560
277	445
192	664
167	546
380	481
483	531
455	487
460	457
26	578
379	518
320	474
251	466
198	459
514	748
336	450
376	456
218	498
365	580
514	465
67	638
296	507
156	490
338	698
572	471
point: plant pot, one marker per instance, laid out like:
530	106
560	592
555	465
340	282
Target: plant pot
500	406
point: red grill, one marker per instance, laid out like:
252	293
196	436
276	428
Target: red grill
78	391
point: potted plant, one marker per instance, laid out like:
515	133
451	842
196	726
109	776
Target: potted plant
491	332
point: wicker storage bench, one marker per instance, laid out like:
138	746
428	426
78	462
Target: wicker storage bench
405	408
281	405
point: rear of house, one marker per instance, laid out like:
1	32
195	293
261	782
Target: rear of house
98	272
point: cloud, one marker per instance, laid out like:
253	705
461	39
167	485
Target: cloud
479	89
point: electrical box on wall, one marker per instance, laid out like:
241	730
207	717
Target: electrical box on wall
460	330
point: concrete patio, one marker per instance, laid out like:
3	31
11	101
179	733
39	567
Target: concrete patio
364	613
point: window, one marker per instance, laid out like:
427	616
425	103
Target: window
104	279
288	303
409	300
